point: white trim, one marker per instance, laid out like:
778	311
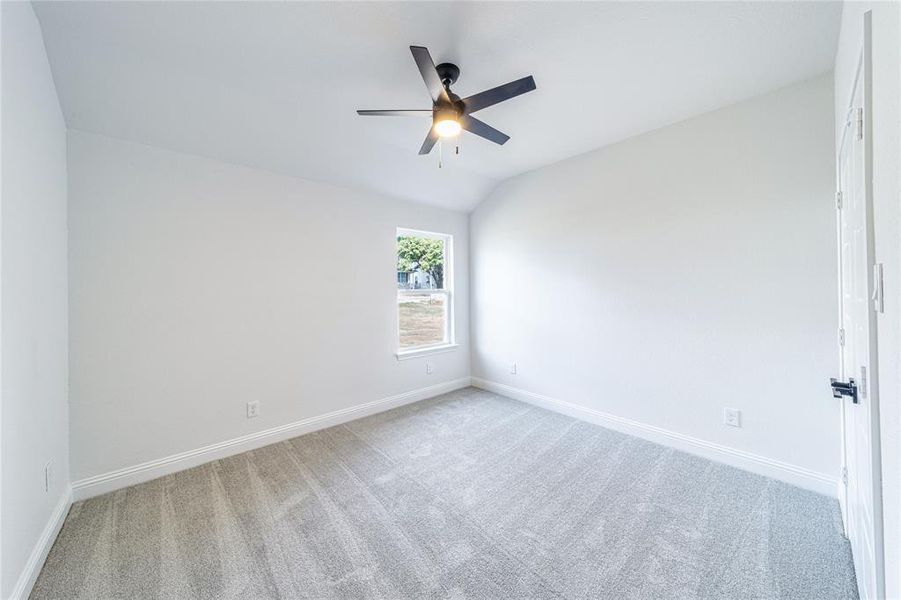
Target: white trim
42	547
432	235
793	474
422	291
841	492
120	478
425	351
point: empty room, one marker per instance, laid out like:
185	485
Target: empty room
463	300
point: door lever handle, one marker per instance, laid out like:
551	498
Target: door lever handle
841	388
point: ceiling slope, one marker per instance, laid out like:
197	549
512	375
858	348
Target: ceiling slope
276	85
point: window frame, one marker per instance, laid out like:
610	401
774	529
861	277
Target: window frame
449	342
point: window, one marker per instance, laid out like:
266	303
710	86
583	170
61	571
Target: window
424	288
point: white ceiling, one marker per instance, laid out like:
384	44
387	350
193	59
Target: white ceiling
275	85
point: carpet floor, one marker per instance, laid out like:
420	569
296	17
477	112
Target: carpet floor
468	495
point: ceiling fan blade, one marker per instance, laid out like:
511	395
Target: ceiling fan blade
429	74
498	94
395	113
481	129
429	142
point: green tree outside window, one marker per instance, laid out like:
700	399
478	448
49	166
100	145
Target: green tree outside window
421	254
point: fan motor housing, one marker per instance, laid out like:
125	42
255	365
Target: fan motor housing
446	112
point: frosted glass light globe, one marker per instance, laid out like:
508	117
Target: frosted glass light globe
447	128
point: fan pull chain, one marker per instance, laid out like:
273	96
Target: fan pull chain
440	153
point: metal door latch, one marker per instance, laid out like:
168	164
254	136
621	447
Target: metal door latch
841	388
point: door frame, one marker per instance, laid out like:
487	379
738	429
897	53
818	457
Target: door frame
864	69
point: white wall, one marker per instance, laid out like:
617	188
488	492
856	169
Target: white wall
197	286
33	324
674	274
887	214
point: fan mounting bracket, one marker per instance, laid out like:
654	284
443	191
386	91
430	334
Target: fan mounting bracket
448	73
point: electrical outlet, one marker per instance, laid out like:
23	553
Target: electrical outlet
253	409
48	476
513	369
732	417
429	368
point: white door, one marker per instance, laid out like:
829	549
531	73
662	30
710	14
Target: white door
862	495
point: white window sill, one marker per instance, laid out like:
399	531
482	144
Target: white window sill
417	352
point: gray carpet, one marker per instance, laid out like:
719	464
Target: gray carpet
469	495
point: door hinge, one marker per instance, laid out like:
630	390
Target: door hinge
844	475
878	296
860	123
838	200
841	337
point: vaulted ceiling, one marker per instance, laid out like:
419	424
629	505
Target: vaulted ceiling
276	85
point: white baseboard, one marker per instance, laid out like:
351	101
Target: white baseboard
120	478
792	474
42	547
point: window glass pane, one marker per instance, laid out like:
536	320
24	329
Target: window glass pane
422	319
420	263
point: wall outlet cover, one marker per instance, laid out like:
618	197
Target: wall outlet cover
732	417
253	409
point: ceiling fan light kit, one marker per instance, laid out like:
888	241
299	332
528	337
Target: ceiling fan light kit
446	123
451	114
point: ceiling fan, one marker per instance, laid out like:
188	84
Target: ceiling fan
449	112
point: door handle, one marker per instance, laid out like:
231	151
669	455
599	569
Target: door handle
841	388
